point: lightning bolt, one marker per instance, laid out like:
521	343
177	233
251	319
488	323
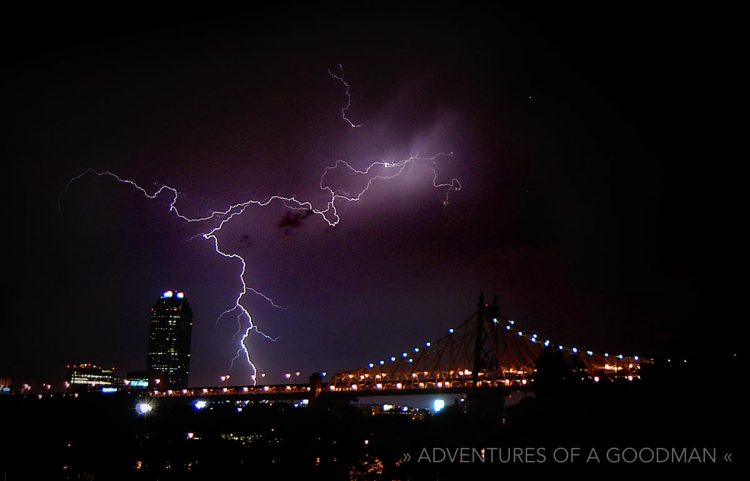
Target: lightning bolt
340	78
217	219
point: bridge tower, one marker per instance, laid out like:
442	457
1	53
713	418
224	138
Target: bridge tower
485	403
486	346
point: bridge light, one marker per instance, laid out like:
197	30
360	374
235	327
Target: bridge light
619	356
575	350
439	384
438	405
534	336
403	354
596	378
411	360
379	386
323	373
416	349
371	365
630	378
399	385
507	328
200	404
428	344
450	331
606	354
393	358
636	359
546	343
495	320
287	375
520	333
511	322
354	387
590	353
560	347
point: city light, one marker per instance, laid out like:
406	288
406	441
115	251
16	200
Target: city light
200	404
167	295
143	408
438	405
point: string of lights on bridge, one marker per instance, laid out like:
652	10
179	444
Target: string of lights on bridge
510	327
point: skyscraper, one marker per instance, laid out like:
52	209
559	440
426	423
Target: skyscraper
170	325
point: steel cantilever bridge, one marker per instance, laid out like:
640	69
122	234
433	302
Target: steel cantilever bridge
487	351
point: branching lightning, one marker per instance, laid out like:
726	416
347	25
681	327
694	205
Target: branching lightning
215	221
340	78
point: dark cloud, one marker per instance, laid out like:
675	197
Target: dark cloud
293	220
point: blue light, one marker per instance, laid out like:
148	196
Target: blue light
637	358
428	344
520	333
546	343
200	404
109	390
511	322
606	354
619	356
393	359
507	328
416	349
143	408
167	295
590	353
371	365
495	320
180	295
438	405
403	354
450	330
382	362
560	347
575	350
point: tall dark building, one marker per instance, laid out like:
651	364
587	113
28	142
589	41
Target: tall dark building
170	324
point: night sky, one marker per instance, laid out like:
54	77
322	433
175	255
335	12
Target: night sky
600	195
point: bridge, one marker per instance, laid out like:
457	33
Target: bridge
487	351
